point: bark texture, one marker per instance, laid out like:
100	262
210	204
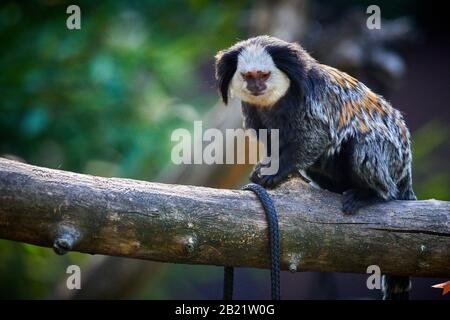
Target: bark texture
197	225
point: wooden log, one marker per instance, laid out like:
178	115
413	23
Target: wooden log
197	225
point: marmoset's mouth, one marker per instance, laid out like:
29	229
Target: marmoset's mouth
256	93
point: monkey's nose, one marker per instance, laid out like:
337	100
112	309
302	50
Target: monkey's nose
256	88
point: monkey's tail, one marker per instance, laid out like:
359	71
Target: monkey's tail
395	287
405	188
398	287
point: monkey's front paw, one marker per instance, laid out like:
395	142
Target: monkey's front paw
255	175
355	199
270	181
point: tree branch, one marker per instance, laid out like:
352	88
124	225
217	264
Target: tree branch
197	225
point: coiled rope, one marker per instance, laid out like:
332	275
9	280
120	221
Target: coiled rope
274	242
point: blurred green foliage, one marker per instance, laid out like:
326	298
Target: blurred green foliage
430	164
105	98
101	100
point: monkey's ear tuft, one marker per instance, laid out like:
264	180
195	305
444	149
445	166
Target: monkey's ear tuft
226	64
292	60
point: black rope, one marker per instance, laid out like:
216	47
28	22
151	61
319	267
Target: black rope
228	277
274	242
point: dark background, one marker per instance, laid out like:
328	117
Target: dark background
104	100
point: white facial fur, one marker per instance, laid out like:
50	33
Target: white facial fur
256	58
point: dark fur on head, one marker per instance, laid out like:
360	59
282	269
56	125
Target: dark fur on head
290	58
226	62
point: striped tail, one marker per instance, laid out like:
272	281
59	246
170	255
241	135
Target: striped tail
398	287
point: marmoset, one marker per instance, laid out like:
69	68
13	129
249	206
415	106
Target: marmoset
332	128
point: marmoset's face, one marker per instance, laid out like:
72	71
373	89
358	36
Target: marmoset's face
257	80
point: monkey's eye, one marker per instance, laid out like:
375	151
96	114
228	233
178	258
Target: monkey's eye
264	75
246	75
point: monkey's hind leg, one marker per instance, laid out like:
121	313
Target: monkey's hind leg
369	177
